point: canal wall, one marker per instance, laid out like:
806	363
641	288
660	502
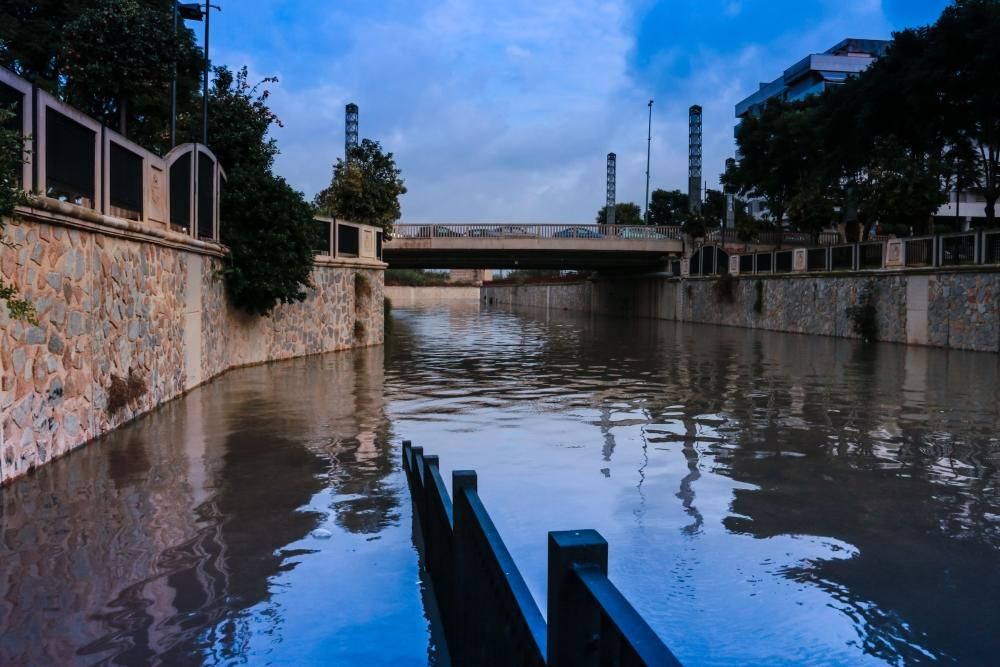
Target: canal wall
956	309
131	315
403	295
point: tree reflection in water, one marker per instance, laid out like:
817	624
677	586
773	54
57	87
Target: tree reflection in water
165	541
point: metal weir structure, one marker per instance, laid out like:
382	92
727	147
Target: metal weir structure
350	129
694	158
612	169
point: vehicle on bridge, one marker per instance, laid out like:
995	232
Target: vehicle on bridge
578	233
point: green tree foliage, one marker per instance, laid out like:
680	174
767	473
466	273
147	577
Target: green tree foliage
626	213
11	161
268	228
885	147
112	59
267	225
667	207
366	188
961	60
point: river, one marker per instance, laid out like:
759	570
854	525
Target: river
768	498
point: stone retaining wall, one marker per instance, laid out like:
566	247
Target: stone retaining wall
404	295
116	300
957	309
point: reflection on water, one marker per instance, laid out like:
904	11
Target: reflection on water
185	538
768	498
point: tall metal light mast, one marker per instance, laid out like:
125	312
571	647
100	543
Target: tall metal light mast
350	130
612	168
694	158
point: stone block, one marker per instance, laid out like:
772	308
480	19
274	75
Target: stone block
894	254
800	260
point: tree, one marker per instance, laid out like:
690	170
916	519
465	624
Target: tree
785	161
667	208
11	161
269	229
961	62
111	59
267	225
366	188
626	213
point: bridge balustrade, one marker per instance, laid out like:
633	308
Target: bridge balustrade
546	231
488	614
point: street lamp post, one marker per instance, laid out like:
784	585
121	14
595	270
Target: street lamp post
192	11
649	143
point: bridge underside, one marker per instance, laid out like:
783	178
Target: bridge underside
428	258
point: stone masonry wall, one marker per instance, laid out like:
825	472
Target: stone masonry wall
957	309
110	304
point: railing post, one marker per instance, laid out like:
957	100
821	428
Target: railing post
463	640
407	446
418	478
574	621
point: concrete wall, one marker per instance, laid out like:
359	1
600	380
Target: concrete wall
402	295
119	296
957	309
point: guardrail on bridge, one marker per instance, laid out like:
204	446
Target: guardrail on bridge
488	614
548	231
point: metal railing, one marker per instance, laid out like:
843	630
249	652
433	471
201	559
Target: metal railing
345	239
488	614
959	249
516	231
73	158
772	237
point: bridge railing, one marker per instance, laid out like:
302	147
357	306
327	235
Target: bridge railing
546	231
488	613
772	237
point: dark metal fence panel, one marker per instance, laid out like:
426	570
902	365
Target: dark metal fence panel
695	264
871	255
842	258
746	263
919	252
206	196
783	261
348	240
69	159
180	191
765	262
125	188
721	260
991	248
501	622
816	259
591	624
958	250
322	246
378	245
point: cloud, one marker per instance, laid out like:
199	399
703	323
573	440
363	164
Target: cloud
506	111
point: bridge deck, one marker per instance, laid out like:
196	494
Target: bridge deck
531	246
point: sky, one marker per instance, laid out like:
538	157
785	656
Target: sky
505	111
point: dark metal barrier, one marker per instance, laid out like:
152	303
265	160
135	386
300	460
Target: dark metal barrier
180	192
125	188
842	258
870	255
746	263
69	160
783	261
919	252
487	611
348	241
958	250
816	259
323	237
206	196
765	262
991	248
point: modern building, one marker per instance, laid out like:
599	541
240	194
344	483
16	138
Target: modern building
819	71
815	73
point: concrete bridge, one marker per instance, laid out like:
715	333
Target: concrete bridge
510	246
